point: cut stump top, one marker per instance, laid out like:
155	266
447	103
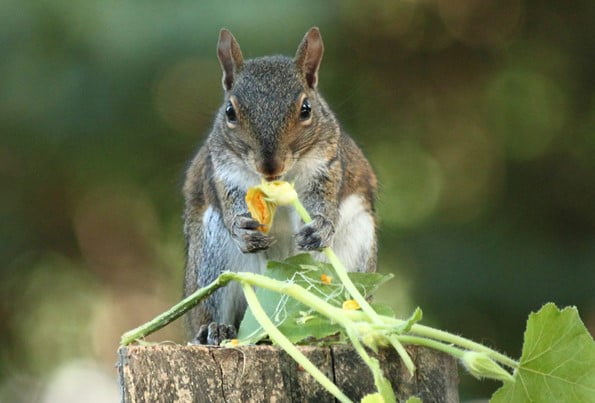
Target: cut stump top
176	373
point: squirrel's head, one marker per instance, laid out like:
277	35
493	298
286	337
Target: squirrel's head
272	114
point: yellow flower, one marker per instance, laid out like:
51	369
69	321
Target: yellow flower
351	305
262	200
279	192
261	209
326	279
234	342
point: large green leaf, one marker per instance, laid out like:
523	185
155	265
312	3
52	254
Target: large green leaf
557	363
295	320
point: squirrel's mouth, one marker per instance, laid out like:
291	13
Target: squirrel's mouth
270	178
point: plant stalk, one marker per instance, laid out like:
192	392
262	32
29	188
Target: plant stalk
446	337
440	335
382	384
175	311
434	344
282	341
352	289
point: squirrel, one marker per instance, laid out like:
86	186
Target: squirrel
273	125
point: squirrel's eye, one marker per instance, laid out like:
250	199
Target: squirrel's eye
306	110
230	112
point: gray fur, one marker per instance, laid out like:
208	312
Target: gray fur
268	139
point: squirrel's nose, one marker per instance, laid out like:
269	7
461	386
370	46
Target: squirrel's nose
271	168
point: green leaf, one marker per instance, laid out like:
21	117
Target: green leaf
414	399
296	321
412	320
557	363
373	398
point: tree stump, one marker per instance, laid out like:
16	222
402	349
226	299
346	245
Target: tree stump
175	373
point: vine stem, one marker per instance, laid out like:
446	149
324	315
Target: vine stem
282	341
462	342
293	290
382	384
436	345
174	312
441	335
339	268
352	289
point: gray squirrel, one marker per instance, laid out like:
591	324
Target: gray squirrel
273	125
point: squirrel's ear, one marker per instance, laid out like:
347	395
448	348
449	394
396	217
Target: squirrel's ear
230	57
309	55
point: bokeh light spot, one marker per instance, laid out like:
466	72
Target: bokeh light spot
526	110
471	164
411	183
81	380
54	312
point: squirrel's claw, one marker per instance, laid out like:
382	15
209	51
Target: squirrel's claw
248	238
255	241
316	235
243	222
214	333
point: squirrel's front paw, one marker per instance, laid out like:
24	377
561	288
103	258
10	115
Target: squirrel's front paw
316	235
248	237
214	333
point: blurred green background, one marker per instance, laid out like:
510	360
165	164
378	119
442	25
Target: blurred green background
479	117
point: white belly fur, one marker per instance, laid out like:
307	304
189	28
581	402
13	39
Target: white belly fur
355	234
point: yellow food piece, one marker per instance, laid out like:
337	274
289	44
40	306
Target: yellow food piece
260	209
351	305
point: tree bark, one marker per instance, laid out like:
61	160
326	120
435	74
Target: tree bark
175	373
